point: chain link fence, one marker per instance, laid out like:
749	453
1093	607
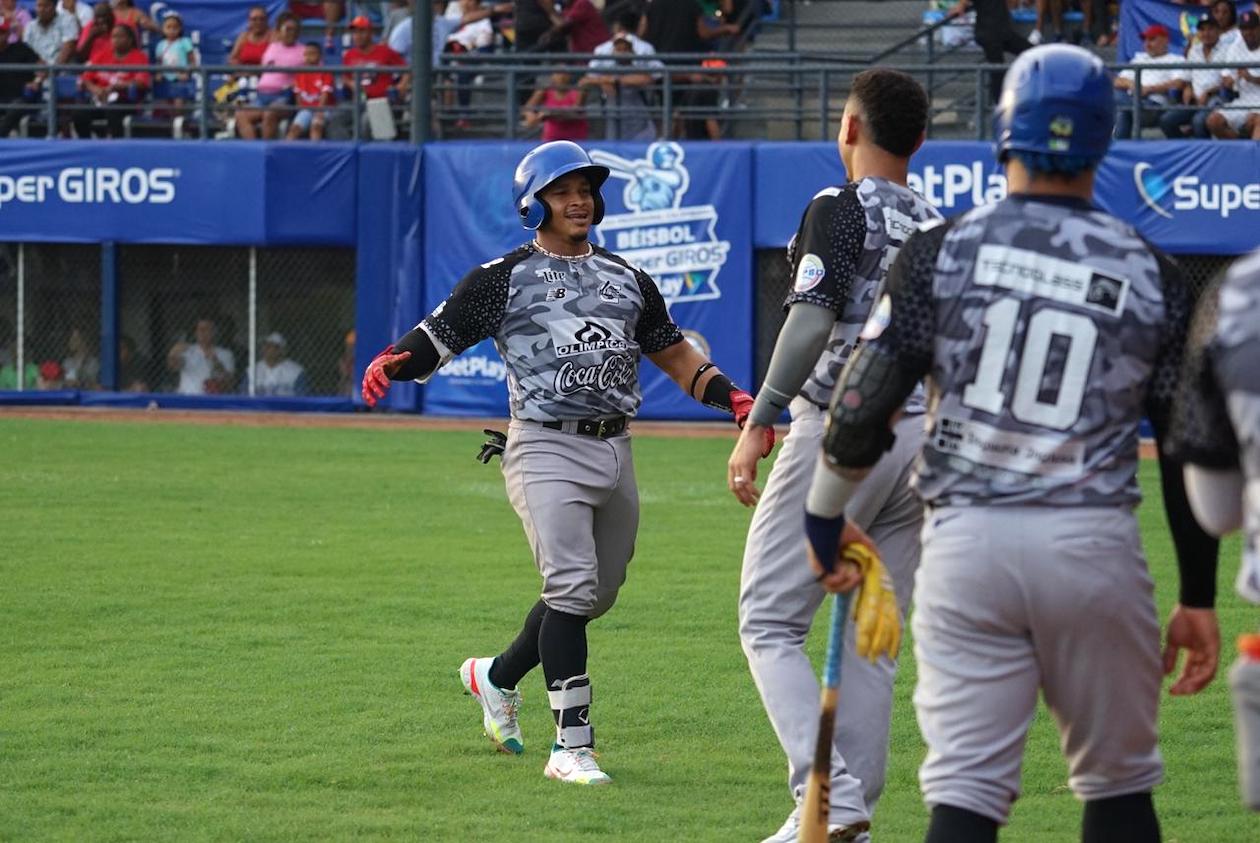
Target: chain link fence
774	281
194	320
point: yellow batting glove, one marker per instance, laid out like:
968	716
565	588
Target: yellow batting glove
875	610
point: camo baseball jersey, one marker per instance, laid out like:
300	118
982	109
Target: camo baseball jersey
1217	417
570	330
840	254
1047	328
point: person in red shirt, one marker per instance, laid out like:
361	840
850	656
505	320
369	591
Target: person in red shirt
313	92
112	90
584	25
94	42
366	52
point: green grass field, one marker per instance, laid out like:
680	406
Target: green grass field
216	633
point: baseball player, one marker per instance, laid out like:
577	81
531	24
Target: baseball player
847	239
1046	328
1217	433
571	321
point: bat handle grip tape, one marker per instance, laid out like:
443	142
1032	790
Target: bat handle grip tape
835	639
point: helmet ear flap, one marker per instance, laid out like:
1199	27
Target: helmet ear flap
599	206
534	213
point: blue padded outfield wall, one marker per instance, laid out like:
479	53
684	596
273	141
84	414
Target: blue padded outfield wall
690	214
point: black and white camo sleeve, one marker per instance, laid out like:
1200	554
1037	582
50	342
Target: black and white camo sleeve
474	309
656	330
1201	429
911	331
825	252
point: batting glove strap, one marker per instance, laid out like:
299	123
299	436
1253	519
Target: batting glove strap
875	610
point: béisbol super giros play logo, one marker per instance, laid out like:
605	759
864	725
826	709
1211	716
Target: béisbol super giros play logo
676	244
91	186
1192	193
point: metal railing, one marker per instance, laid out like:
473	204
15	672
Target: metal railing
744	94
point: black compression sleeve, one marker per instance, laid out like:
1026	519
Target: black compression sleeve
424	358
1197	551
717	393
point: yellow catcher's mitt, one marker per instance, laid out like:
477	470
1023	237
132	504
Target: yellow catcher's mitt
875	609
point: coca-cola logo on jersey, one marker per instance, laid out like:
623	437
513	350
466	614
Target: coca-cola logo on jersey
614	372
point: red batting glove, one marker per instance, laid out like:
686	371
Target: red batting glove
376	379
741	406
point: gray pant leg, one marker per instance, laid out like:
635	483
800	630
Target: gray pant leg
777	602
616	524
892	515
556	482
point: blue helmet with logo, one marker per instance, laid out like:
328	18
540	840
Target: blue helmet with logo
542	166
1057	101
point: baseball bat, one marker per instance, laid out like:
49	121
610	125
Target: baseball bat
817	806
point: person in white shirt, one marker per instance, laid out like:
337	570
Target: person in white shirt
203	367
52	34
1203	93
626	94
625	26
276	374
1242	118
1158	86
80	11
1227	16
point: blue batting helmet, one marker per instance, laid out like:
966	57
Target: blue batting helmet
542	166
1057	100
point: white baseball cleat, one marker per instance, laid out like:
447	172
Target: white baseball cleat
499	707
790	831
577	766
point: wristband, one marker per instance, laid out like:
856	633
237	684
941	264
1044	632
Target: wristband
824	538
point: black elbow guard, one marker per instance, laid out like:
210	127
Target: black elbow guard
872	387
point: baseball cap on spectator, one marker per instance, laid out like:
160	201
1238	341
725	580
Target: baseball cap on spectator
361	22
1155	30
1206	20
49	370
275	338
1247	20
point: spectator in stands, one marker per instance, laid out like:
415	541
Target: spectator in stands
80	11
252	43
127	14
51	35
1227	16
133	367
1203	93
275	89
680	26
625	25
175	49
535	21
8	359
475	34
203	367
275	374
112	91
17	18
95	42
1242	120
80	367
364	51
397	12
583	26
1159	88
996	35
313	93
51	376
626	94
559	108
14	84
347	372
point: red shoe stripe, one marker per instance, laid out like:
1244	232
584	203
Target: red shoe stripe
472	677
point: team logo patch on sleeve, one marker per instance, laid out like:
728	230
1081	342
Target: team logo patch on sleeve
809	273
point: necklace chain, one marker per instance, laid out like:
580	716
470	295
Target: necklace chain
590	250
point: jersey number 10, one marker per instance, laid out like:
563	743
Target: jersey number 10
989	390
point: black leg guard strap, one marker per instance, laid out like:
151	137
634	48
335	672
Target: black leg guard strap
958	825
1121	819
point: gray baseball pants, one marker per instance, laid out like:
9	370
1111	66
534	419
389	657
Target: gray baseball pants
779	597
1010	600
577	499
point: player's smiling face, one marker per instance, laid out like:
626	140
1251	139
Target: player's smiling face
572	206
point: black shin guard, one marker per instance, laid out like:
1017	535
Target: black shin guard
562	648
958	825
1121	819
521	656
